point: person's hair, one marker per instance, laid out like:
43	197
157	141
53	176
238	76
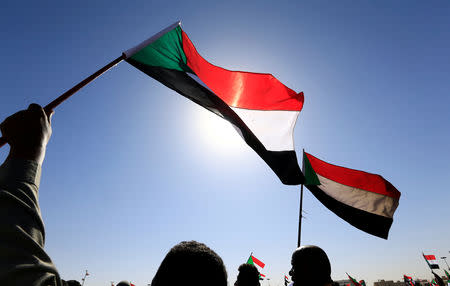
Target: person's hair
248	275
191	263
311	266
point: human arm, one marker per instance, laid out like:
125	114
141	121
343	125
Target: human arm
23	260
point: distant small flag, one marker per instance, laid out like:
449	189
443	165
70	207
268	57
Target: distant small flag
286	280
431	261
366	201
362	282
408	280
353	280
434	283
254	260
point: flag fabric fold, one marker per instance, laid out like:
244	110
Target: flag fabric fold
262	109
366	201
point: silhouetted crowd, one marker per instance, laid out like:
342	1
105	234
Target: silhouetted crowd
23	260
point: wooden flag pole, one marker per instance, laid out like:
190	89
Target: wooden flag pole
49	107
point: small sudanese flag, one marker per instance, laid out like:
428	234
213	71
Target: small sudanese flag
254	260
353	280
431	261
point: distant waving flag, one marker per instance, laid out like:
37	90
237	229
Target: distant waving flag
408	280
286	280
262	109
366	201
253	260
431	261
362	282
353	280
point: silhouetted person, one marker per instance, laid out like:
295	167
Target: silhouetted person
124	283
23	260
191	263
310	267
248	275
71	283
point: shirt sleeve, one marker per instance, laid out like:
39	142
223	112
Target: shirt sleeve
23	260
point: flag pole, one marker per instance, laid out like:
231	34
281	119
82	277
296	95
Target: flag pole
300	215
84	278
52	105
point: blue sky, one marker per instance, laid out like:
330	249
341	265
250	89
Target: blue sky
133	168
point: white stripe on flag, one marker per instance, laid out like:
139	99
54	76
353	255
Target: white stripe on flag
358	198
274	128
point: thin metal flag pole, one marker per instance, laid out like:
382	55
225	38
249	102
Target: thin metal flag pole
52	105
84	278
300	215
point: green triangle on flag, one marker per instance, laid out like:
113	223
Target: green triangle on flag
250	260
310	175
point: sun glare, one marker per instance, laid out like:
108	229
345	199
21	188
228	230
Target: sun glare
217	133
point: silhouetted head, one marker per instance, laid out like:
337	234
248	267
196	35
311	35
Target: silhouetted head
124	283
310	267
191	263
71	283
248	275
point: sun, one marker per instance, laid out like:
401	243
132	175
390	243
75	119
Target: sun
217	133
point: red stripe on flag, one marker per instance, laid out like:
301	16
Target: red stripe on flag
262	275
242	89
354	178
258	262
430	257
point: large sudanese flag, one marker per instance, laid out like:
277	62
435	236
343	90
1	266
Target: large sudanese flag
260	107
366	201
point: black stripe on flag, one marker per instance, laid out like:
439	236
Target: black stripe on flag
283	163
371	223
